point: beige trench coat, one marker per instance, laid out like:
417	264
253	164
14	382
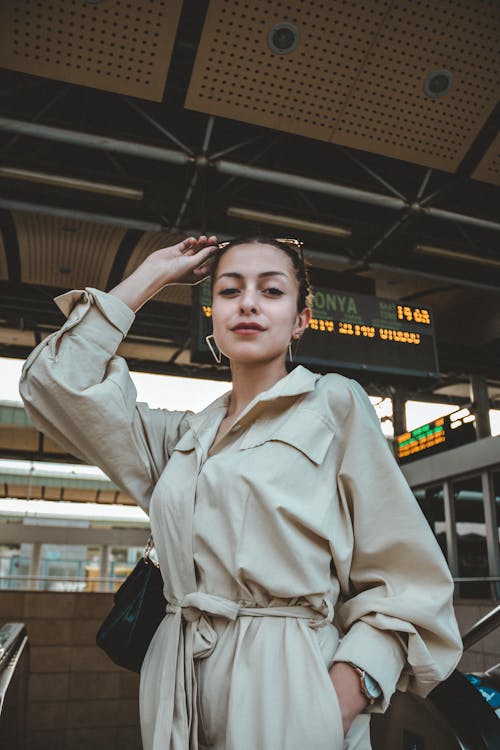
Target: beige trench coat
298	510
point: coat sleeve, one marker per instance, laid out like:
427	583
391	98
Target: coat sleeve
79	392
396	605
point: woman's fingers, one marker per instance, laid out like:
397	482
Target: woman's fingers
205	255
191	245
204	241
201	271
185	246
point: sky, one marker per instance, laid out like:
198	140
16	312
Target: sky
169	392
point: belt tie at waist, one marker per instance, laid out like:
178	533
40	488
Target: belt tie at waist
195	607
199	639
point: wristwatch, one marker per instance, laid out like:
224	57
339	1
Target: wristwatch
369	687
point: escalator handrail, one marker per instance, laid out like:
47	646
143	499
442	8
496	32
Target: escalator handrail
8	672
482	628
10	635
13	642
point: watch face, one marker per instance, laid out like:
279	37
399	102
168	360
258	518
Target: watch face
372	687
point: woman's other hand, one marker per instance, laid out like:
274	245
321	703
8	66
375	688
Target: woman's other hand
185	263
346	682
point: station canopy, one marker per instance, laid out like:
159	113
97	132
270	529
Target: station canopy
367	129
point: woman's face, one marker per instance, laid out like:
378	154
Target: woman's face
254	307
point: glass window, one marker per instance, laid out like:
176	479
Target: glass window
13	563
471	537
431	503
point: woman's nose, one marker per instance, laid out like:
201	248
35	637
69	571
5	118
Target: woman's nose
248	301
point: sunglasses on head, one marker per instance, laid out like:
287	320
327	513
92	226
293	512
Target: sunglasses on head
290	242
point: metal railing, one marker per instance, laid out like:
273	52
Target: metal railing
482	628
477	579
81	583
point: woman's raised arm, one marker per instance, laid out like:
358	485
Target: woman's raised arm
79	392
185	263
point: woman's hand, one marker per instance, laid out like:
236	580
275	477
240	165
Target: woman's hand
185	263
345	680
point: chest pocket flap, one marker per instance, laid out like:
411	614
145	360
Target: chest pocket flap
186	443
305	431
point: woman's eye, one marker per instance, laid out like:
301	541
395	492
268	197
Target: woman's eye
273	291
228	291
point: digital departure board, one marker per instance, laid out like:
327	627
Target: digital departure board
434	437
348	332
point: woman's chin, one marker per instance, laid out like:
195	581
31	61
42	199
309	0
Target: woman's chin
244	356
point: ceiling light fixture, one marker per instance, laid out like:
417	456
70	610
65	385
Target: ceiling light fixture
443	252
283	38
73	183
289	222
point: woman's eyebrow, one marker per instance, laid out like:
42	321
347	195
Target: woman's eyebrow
236	275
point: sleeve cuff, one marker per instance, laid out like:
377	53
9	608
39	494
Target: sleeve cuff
378	653
101	318
116	311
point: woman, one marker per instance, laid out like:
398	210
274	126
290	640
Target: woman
277	503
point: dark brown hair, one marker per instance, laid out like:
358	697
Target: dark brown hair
304	297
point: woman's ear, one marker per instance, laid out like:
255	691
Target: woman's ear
303	320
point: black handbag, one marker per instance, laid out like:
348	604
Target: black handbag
139	607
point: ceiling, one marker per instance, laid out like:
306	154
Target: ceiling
39	485
125	126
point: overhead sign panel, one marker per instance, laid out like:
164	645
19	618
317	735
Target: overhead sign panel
437	436
349	333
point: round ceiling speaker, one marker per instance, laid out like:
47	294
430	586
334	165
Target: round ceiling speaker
438	83
283	38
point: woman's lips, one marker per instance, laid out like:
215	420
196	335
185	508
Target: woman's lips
248	329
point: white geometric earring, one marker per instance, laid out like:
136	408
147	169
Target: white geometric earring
216	355
290	353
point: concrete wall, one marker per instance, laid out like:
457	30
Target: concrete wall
77	698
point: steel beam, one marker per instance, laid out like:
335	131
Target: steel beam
100	142
474	221
307	183
235	169
481	405
450	527
73	213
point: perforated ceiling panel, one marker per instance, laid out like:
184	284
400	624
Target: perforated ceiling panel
388	110
357	74
65	253
237	75
488	169
112	45
179	294
3	260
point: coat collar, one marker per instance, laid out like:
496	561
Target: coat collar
296	383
